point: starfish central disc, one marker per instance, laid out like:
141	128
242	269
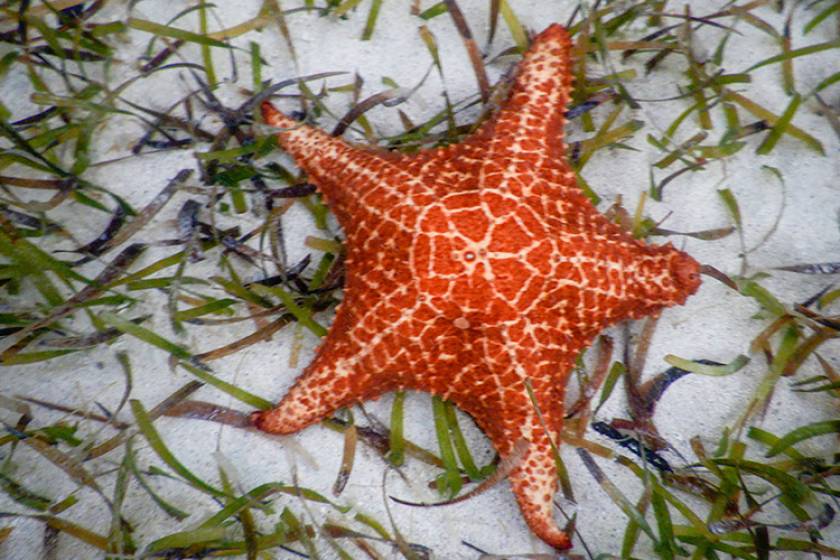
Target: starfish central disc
476	272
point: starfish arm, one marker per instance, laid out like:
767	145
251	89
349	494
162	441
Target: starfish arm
342	373
354	181
534	483
363	356
515	394
514	418
526	136
520	148
532	119
541	356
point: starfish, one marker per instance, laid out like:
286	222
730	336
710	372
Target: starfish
477	272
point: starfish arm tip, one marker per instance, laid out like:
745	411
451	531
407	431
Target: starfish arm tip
268	111
554	31
257	420
275	117
274	421
560	540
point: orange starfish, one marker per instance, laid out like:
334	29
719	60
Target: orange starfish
476	272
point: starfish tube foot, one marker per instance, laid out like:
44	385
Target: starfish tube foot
477	272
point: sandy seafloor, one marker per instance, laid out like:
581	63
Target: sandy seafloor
715	324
